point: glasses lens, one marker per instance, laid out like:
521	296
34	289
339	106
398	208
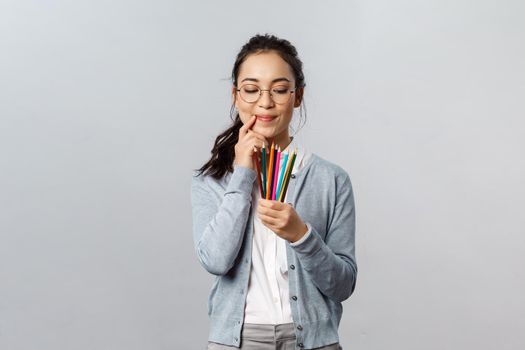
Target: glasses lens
281	94
250	93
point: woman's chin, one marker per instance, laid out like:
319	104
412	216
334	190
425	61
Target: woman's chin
266	132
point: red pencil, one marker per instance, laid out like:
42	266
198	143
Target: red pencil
256	160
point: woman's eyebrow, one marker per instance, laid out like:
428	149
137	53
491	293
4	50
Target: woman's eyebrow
273	81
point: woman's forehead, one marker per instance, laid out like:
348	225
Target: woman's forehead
267	67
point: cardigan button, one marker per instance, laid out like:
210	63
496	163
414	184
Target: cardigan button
292	267
301	345
299	327
292	176
294	298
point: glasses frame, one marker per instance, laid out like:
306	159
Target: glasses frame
260	94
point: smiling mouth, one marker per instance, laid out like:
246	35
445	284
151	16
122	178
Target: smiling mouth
265	118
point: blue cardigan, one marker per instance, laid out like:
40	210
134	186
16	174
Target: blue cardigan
322	269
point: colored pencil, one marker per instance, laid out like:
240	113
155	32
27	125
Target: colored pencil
270	173
263	160
284	159
273	155
276	174
287	176
258	166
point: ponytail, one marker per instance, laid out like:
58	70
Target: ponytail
223	152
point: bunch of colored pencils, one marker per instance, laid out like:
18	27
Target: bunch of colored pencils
273	171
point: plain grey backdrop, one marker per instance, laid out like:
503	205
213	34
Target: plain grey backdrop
107	106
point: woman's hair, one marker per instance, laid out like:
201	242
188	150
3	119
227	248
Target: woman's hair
223	152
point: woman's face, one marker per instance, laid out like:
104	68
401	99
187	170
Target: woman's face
267	70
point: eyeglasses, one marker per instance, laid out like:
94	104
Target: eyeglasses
280	94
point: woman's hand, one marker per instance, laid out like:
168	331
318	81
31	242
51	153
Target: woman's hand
248	141
282	219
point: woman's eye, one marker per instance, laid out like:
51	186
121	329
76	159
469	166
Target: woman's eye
250	91
280	91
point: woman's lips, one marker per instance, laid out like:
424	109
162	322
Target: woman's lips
265	118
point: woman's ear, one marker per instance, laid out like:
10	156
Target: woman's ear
234	96
298	96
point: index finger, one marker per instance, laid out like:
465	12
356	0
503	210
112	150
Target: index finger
248	125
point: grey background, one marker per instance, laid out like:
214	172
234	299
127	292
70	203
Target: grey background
106	107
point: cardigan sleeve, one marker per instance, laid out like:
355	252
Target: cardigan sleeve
219	225
331	263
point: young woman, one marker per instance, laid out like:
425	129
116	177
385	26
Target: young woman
283	268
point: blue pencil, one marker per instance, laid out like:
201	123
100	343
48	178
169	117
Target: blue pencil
281	176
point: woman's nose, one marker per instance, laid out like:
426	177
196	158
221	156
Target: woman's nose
265	100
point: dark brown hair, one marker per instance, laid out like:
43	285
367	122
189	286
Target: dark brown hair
223	152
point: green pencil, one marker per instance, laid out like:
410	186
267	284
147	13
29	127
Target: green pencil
287	176
263	159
